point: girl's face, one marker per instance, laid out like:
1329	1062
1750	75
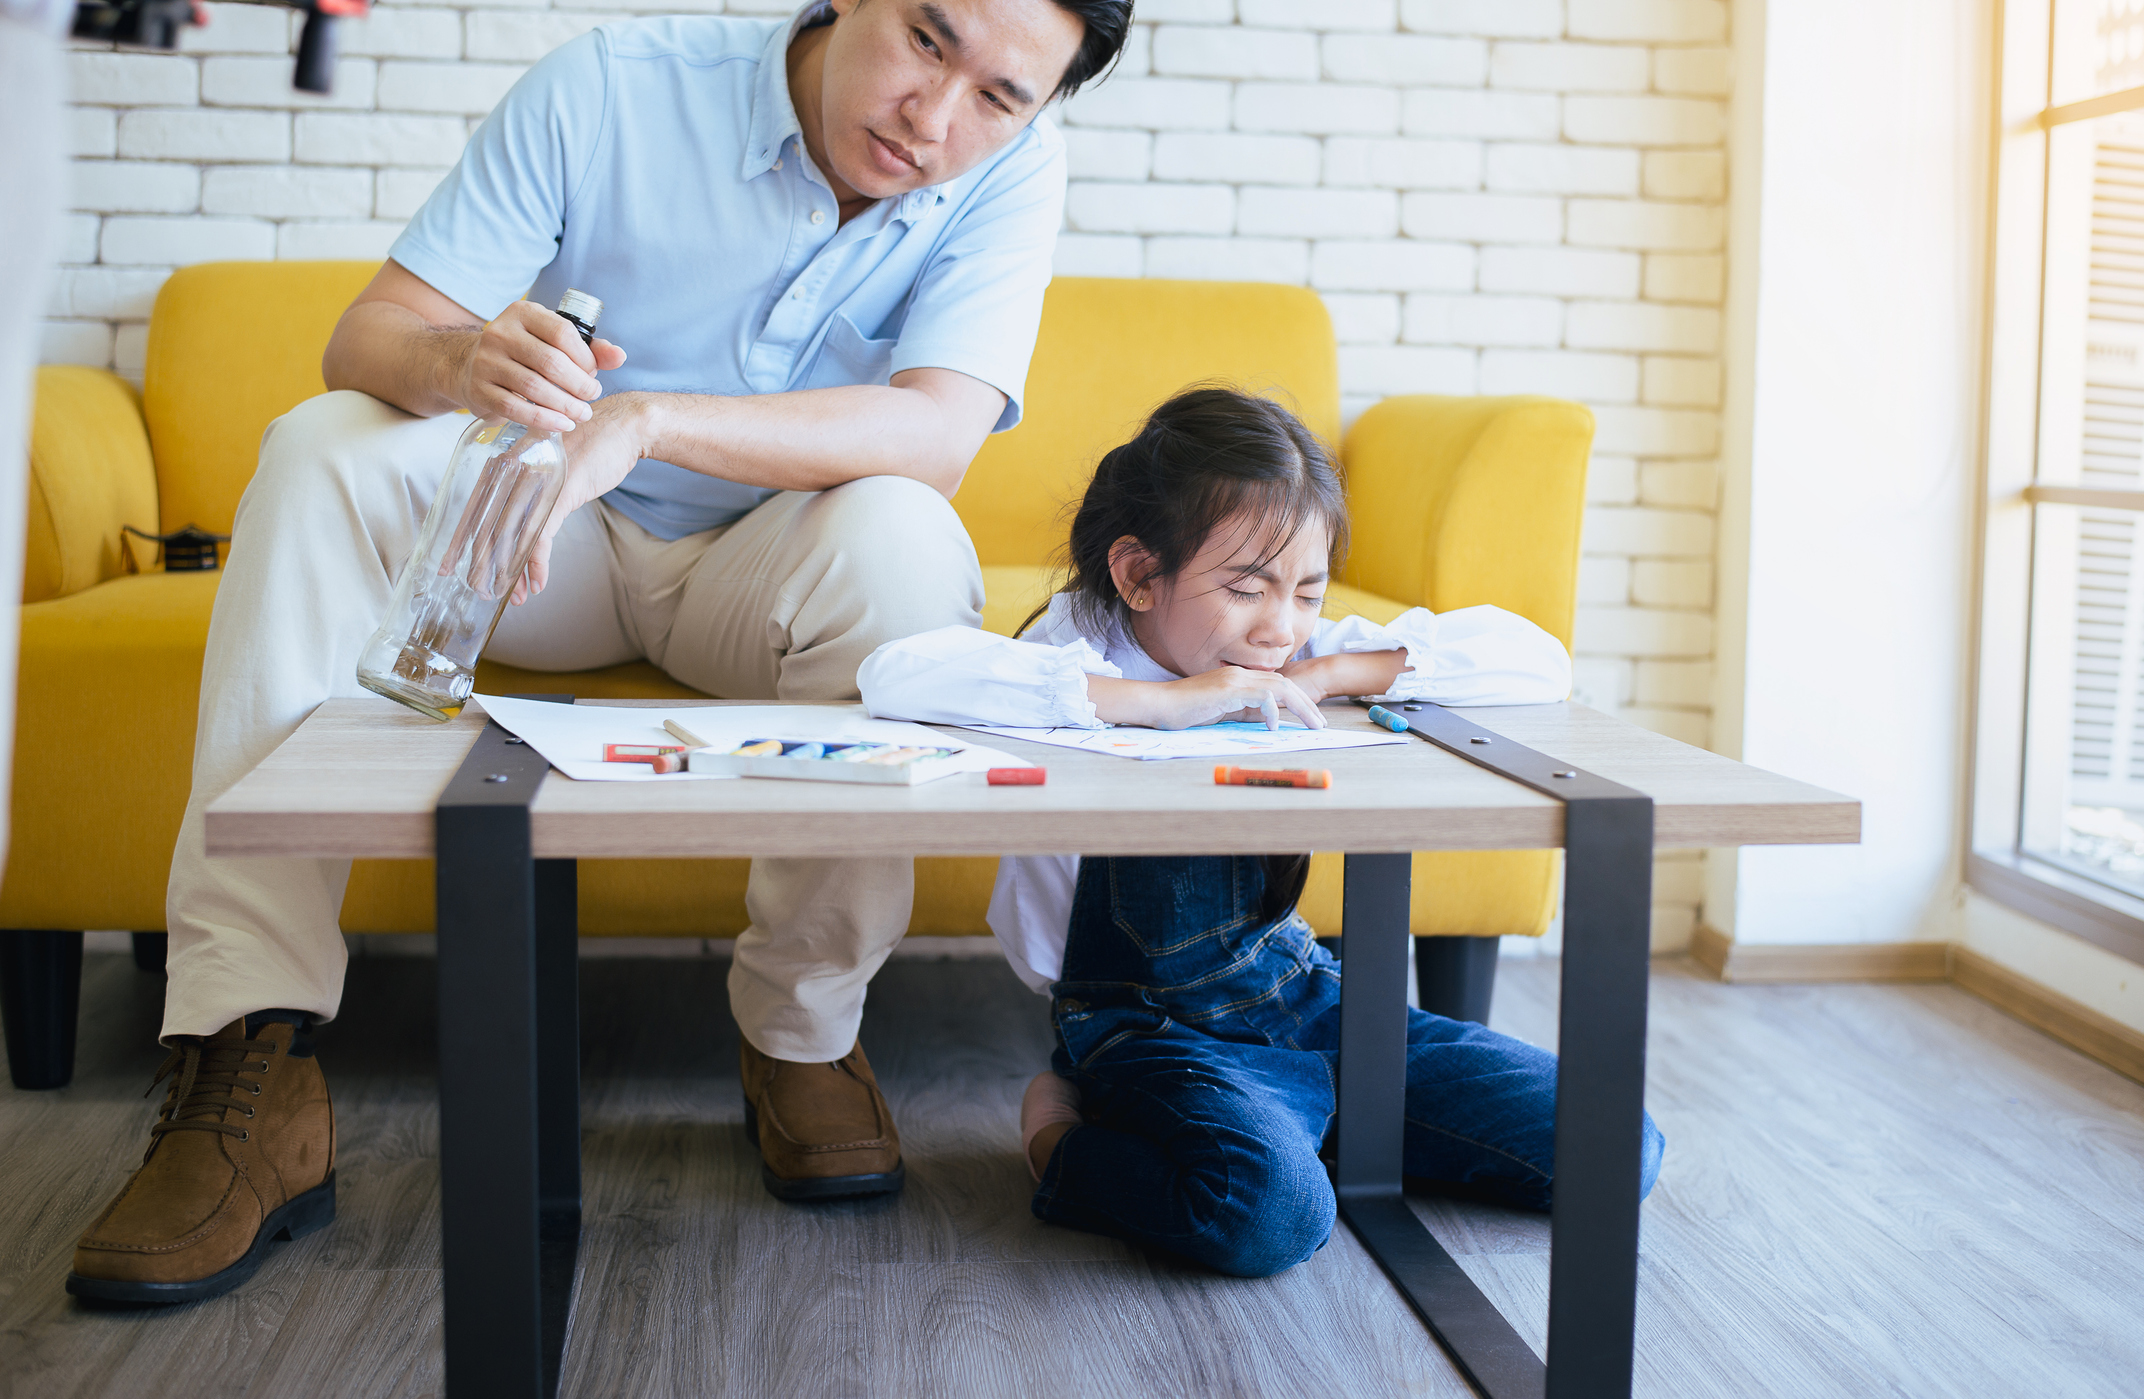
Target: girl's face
1238	602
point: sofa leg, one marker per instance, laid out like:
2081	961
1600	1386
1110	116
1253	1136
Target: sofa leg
1456	976
149	951
41	1002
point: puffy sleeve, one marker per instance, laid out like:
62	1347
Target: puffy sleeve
959	675
1471	655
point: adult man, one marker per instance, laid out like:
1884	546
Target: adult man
825	242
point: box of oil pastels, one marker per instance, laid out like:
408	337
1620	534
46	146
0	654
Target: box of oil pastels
814	760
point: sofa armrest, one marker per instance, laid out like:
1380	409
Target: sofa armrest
90	474
1459	501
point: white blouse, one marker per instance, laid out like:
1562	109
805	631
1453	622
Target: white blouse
959	675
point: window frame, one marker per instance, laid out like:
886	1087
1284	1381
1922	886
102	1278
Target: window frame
2018	440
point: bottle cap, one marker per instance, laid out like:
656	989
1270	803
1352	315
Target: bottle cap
580	306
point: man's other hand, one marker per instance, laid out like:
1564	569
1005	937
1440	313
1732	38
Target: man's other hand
531	366
597	459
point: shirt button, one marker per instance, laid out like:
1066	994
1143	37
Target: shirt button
777	164
797	295
818	216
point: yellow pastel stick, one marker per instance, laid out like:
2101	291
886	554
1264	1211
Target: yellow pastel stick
684	735
759	749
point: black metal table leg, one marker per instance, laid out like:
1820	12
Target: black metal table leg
1600	1087
558	1097
508	1078
1372	1100
1600	1094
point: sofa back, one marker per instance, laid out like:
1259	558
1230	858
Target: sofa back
233	345
1110	349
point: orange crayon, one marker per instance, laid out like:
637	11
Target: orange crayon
1226	776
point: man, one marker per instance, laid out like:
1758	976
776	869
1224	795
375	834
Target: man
824	241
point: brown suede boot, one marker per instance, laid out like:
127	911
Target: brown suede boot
243	1151
823	1131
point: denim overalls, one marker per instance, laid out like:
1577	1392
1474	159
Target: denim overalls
1203	1038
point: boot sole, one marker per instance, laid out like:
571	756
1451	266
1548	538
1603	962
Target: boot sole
808	1188
307	1214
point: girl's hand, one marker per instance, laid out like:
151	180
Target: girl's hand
1230	693
1349	673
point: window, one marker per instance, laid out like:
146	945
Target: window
2058	814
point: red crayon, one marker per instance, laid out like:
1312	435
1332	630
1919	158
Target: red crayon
1016	777
1286	777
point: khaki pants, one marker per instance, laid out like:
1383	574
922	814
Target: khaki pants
782	604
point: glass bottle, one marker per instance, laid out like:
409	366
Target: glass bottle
498	494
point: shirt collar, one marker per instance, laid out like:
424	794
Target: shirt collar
774	115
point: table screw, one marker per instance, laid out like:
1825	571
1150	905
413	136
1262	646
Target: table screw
502	777
1411	708
1477	740
516	740
1563	774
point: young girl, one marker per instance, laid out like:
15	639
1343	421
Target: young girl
1197	1017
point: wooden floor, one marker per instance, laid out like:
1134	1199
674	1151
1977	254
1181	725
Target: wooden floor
1868	1190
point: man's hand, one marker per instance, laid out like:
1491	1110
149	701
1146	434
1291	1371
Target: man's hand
405	342
1230	693
531	366
598	457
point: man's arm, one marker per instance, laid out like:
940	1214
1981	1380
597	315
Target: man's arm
928	424
406	343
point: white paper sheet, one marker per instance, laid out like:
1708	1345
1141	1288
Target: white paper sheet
572	736
1225	741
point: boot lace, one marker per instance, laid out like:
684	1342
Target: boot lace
206	1085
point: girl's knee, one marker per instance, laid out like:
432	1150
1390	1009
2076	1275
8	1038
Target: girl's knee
1280	1213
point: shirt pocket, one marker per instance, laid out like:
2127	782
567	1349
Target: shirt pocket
846	357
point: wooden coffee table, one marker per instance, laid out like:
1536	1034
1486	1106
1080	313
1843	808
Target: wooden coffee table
364	778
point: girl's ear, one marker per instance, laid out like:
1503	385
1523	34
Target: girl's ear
1132	568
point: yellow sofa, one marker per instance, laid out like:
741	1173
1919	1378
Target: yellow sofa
1456	501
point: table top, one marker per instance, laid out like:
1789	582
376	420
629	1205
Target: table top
360	778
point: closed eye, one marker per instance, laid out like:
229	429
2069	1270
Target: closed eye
1246	597
1310	601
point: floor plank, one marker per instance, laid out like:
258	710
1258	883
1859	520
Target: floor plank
1867	1190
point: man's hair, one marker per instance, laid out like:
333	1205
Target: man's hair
1108	23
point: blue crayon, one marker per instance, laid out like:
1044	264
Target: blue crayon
1385	718
807	750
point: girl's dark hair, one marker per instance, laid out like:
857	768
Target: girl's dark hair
1204	457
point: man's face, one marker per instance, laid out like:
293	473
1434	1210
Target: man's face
917	92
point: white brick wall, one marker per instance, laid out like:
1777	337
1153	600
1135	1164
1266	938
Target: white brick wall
1492	196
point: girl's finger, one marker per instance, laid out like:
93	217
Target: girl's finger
1300	704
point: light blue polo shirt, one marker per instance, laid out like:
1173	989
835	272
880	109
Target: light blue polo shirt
657	164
